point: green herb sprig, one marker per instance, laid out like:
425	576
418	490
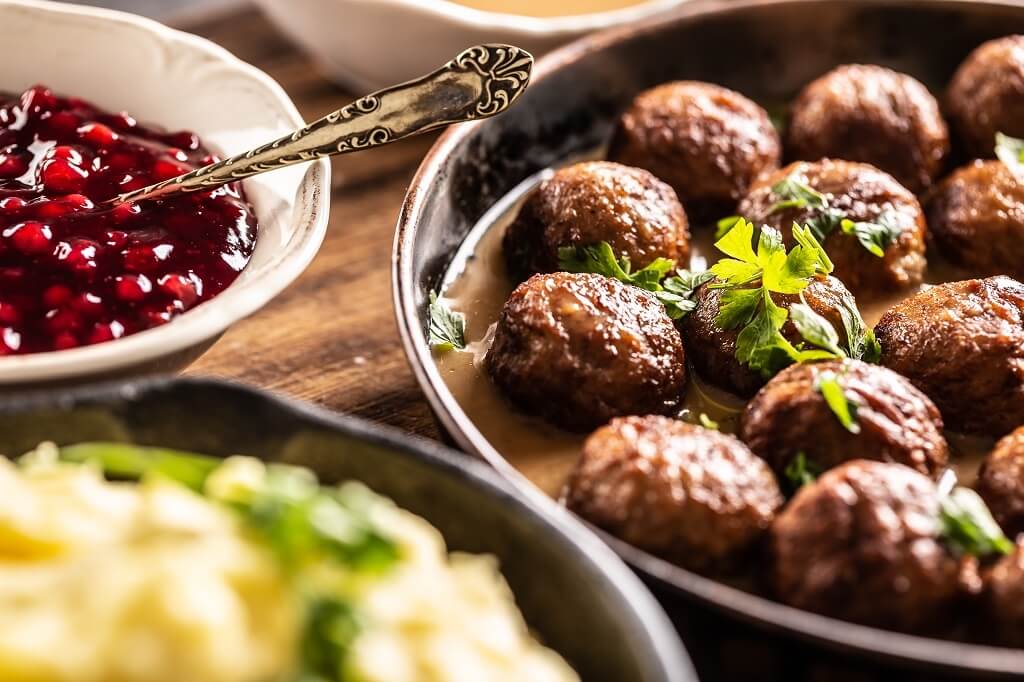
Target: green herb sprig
675	291
1010	150
875	236
800	472
967	525
748	279
845	409
446	329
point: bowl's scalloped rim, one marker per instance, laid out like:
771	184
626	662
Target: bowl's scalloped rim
766	613
208	320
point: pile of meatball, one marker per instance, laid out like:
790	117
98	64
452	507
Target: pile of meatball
862	541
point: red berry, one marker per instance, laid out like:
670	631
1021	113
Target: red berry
9	314
31	238
54	296
62	320
10	341
184	140
165	170
62	176
180	288
97	134
63	123
64	341
12	204
132	288
88	305
38	98
105	331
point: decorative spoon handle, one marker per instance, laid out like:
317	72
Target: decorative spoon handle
480	82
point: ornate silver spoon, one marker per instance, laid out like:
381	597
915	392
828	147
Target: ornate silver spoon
480	82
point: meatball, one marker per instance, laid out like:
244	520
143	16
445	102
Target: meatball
897	422
871	114
706	141
962	343
1001	483
712	350
986	95
1003	598
863	194
579	349
976	219
637	214
861	544
694	496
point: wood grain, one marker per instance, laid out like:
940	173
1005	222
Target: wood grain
331	337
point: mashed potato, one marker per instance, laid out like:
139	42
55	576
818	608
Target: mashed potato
152	582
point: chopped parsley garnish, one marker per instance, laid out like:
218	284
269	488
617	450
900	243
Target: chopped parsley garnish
845	410
447	329
749	279
1010	150
723	226
875	236
674	291
800	472
968	527
707	422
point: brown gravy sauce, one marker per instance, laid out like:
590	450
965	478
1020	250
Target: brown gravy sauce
477	285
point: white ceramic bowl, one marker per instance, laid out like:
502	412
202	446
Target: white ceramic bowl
369	44
178	81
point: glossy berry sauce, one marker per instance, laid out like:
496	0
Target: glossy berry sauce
74	272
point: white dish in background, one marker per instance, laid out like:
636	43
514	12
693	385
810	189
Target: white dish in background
177	81
370	44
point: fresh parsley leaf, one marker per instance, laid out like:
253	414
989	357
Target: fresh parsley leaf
842	407
760	344
815	329
1010	150
707	422
330	628
723	226
805	237
824	222
800	471
596	258
737	243
447	329
650	277
677	291
736	307
878	235
967	525
793	192
860	339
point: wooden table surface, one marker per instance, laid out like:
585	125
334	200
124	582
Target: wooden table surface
331	337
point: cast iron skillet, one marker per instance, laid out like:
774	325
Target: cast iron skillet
766	49
573	591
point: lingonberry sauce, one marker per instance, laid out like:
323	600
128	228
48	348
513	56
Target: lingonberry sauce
75	272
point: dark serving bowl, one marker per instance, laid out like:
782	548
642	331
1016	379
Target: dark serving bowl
574	592
766	49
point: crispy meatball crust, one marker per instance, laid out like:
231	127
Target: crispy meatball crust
712	351
862	193
1001	483
1003	598
707	141
897	422
976	219
579	349
962	343
695	496
986	95
595	201
861	544
871	114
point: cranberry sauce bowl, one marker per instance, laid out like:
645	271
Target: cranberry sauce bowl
544	357
76	270
90	288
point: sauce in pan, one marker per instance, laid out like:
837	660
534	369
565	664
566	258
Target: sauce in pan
477	285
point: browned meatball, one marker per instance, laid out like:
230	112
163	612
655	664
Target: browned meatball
1003	598
706	141
871	114
1001	483
579	349
962	343
897	422
861	193
861	544
712	350
976	219
637	214
692	495
986	95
